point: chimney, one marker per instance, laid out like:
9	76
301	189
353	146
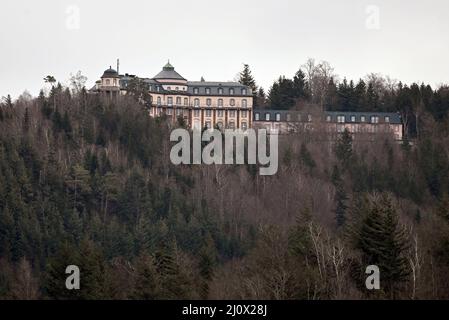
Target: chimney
118	66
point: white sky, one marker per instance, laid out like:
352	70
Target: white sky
214	38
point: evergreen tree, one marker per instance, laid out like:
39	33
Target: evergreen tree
383	242
247	79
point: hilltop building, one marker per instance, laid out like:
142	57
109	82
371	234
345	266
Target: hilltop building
206	104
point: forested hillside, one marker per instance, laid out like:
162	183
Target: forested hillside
89	182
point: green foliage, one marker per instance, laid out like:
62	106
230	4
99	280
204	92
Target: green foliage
382	241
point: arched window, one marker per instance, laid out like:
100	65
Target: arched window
186	101
220	103
208	102
244	103
232	102
231	91
159	101
196	102
178	101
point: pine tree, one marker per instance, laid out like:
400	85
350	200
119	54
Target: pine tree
343	150
147	282
247	79
383	242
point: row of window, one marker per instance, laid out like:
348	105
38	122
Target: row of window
196	102
231	125
208	113
373	119
340	119
221	91
278	117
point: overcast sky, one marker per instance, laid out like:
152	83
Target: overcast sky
407	40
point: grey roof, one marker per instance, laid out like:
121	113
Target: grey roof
214	88
301	116
168	72
110	73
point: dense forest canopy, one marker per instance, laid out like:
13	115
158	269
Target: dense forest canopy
88	181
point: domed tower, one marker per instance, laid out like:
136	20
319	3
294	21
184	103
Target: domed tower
110	82
110	78
170	79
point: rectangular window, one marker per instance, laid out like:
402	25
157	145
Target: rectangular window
352	118
289	117
186	101
232	113
244	114
220	113
387	119
208	113
244	126
207	90
362	119
220	103
328	118
374	119
170	101
178	101
196	113
256	116
169	111
341	119
278	117
267	117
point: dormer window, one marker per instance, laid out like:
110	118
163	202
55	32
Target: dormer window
256	116
267	117
244	92
220	90
231	91
207	90
177	88
196	90
328	118
387	119
341	119
168	88
352	118
278	117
